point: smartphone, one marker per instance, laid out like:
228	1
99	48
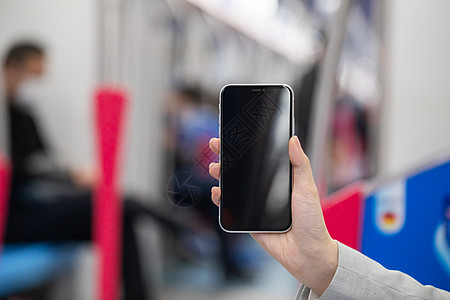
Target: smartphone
256	123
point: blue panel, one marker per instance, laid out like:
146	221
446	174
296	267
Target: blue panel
26	266
419	245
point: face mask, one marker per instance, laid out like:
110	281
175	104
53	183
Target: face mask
28	91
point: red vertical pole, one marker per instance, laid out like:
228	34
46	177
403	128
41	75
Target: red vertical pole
5	172
110	105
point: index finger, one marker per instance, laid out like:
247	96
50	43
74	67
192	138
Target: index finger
214	145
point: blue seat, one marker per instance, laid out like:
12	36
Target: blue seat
27	266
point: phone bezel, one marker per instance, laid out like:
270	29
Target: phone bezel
291	129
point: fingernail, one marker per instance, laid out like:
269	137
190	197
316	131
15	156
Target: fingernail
297	142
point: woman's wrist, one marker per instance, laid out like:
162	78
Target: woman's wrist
320	267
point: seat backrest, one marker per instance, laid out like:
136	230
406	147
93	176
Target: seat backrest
407	223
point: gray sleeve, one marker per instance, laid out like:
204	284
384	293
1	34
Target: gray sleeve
359	277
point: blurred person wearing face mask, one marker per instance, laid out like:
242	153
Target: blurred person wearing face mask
23	66
61	211
23	69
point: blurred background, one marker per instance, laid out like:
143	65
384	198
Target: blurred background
371	96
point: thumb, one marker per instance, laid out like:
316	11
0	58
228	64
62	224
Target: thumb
303	177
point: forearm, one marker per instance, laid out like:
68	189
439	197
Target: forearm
320	268
359	277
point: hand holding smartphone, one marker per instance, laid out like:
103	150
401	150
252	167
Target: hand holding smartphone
256	123
255	194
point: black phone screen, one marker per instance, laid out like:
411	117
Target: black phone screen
255	174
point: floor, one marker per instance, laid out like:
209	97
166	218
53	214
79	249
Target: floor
203	279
